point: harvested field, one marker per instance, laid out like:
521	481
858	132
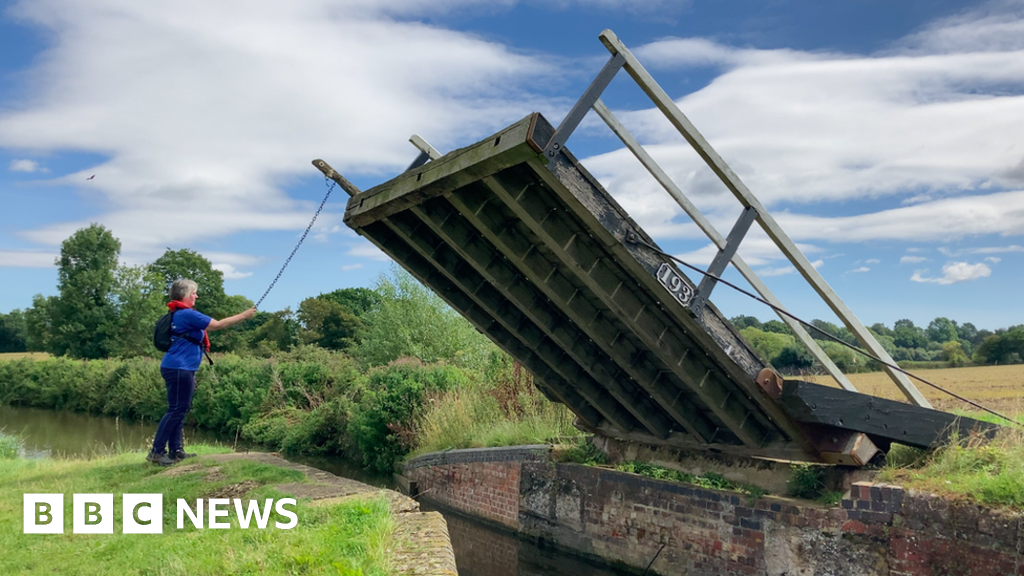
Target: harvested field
998	387
20	355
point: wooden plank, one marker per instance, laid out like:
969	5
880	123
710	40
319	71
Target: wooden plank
894	421
383	238
559	289
718	165
779	450
453	170
563	336
444	259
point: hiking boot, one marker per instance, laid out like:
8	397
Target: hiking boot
159	458
179	455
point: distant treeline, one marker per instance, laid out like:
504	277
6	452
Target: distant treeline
942	341
106	310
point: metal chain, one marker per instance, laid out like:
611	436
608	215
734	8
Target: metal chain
330	188
633	238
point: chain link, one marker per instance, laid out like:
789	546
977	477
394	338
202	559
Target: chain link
330	188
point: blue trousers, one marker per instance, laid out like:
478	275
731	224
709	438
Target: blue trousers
180	386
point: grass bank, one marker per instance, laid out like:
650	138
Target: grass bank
347	539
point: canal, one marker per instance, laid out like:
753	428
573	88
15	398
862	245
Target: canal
479	549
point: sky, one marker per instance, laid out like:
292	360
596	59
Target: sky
886	138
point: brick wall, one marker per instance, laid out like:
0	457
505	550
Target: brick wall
878	530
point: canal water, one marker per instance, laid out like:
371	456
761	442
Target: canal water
479	549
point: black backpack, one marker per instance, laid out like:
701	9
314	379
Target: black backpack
163	336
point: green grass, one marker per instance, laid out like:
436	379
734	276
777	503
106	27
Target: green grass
989	472
343	539
482	416
10	446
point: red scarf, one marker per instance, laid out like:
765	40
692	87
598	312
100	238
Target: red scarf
179	305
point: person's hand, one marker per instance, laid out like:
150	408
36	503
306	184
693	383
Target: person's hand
249	313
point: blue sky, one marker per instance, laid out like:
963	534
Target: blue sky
884	136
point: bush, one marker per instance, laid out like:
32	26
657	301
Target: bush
389	405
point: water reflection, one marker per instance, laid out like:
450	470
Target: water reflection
483	551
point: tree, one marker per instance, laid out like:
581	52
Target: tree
953	353
327	323
136	303
176	264
357	301
13	337
942	330
909	336
767	344
413	321
966	332
880	329
741	322
793	358
776	326
81	315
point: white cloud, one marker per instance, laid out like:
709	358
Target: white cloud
351	267
366	250
229	271
806	128
777	271
818	263
872	261
993	259
954	272
912	259
24	166
219	104
858	270
26	259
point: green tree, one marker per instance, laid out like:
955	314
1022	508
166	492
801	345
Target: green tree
942	330
136	303
741	322
906	335
767	344
776	326
39	324
412	321
953	353
357	301
880	329
176	264
81	316
966	332
794	358
13	332
327	323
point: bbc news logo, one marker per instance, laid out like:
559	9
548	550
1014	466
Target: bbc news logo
144	513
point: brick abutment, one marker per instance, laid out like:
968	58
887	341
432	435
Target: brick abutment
627	519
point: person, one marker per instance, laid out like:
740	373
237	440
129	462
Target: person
188	343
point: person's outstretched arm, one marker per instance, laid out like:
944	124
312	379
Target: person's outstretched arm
230	320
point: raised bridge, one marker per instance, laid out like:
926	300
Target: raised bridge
520	239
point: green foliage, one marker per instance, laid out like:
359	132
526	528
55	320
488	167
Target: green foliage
794	357
13	332
136	303
776	327
504	409
346	538
708	480
767	344
1002	348
582	451
328	324
79	318
358	301
412	321
389	405
10	446
942	330
953	353
806	481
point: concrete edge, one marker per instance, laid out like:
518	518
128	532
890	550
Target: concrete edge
529	453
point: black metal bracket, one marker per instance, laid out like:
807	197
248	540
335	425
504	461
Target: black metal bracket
419	161
722	259
583	105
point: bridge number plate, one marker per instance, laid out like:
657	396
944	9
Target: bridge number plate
671	280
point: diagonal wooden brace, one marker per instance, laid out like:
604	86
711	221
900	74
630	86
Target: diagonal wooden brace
722	259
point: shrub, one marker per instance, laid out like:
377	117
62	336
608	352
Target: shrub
389	404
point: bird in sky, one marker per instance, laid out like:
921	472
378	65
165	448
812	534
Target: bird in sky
91	177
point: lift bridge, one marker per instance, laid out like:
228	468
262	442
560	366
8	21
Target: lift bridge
520	239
